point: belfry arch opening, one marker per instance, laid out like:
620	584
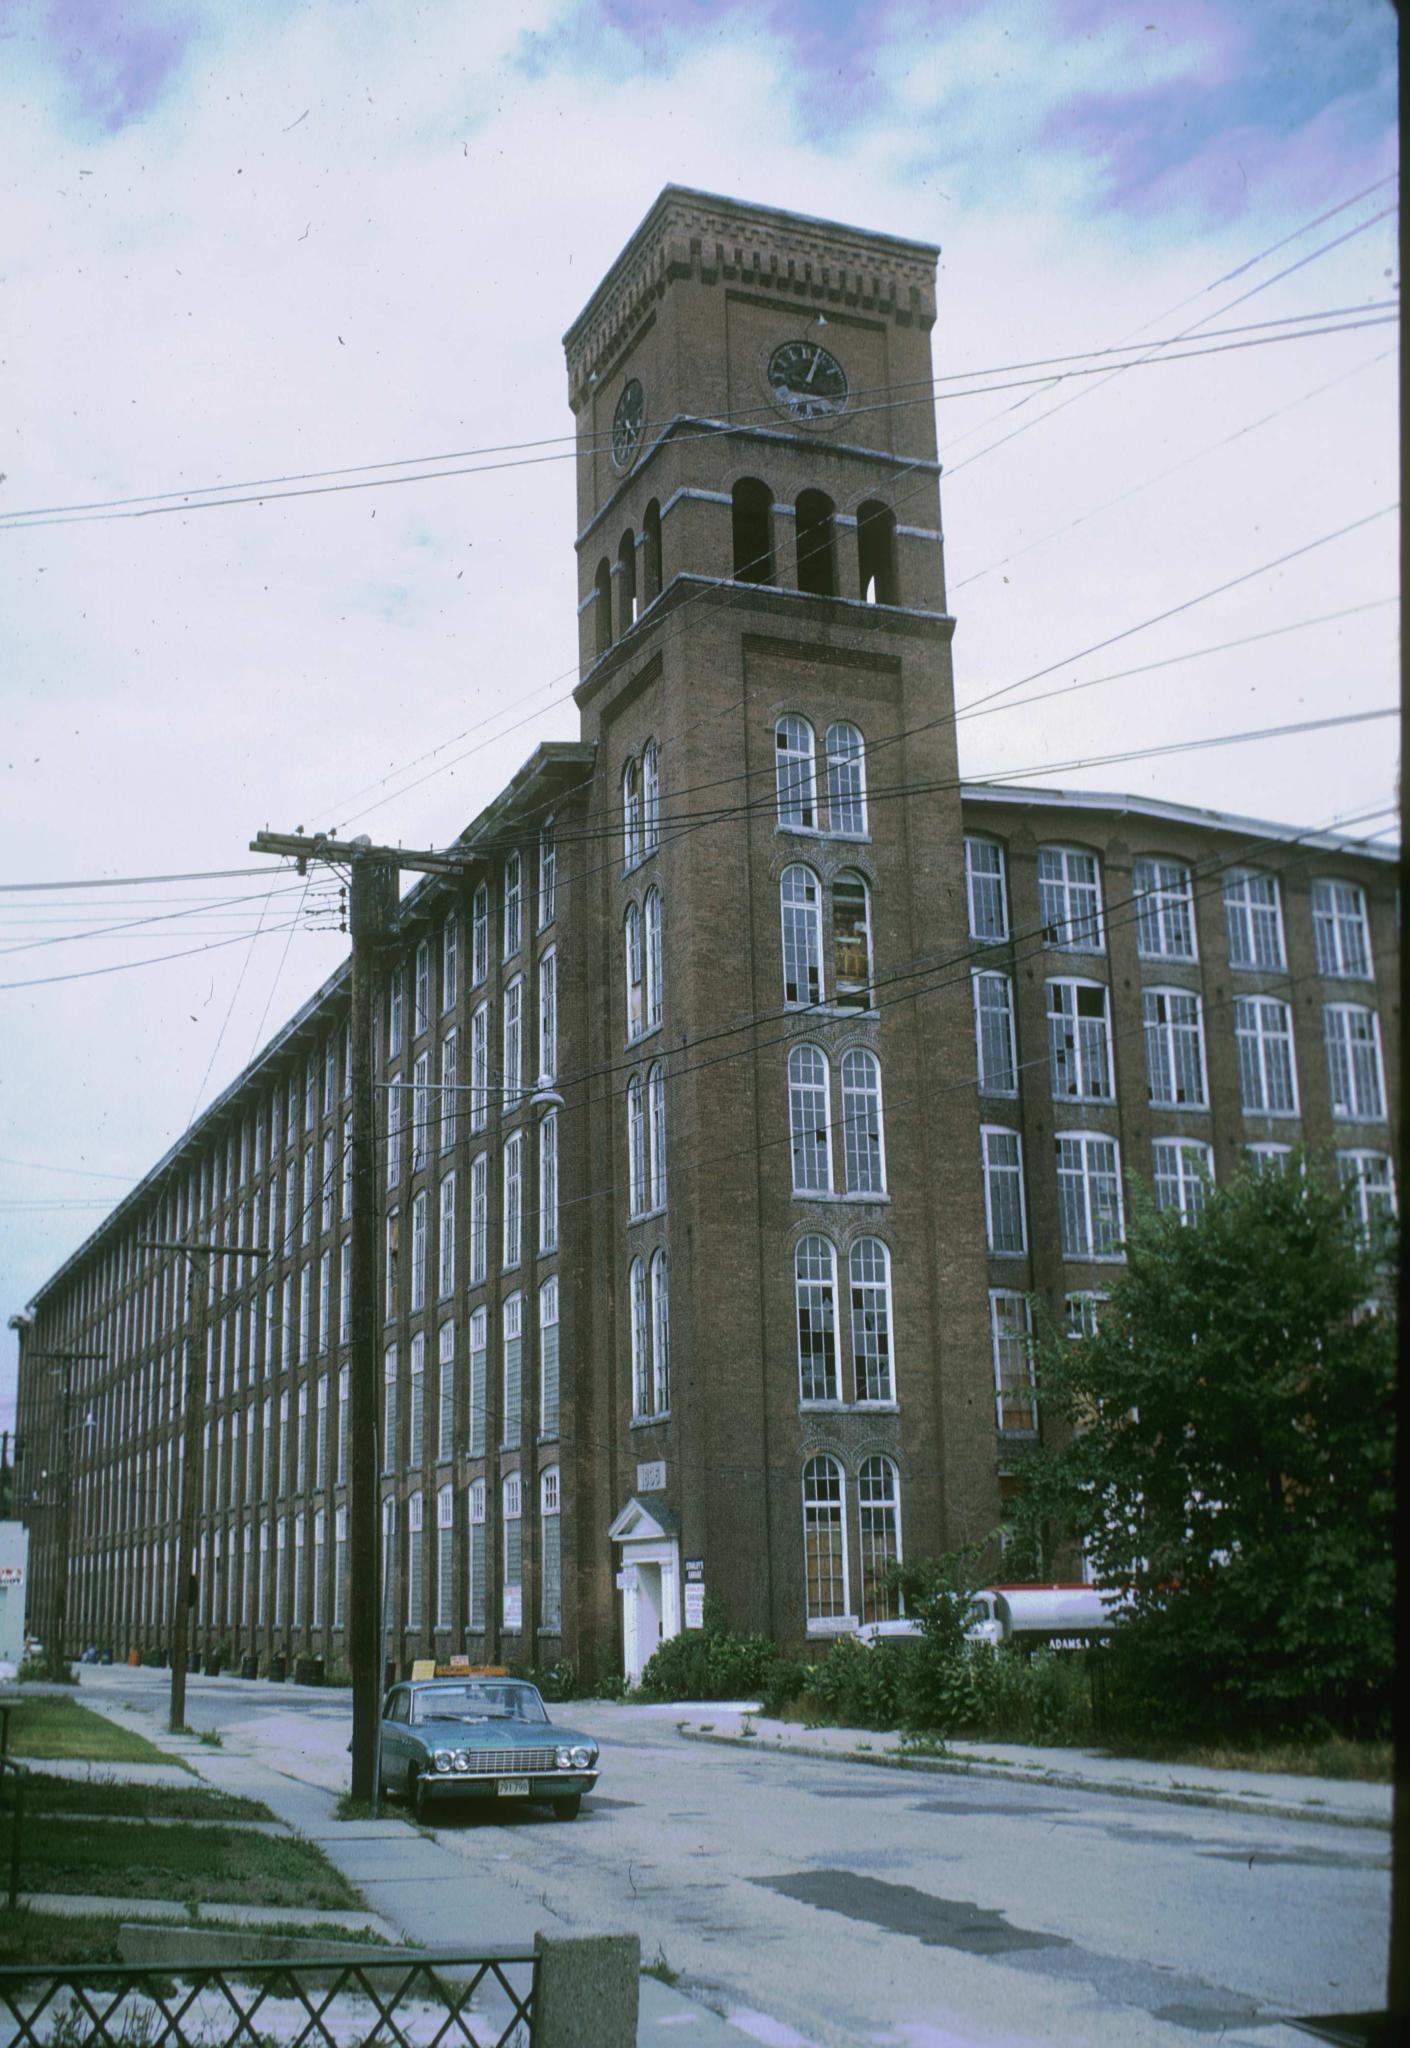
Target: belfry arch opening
752	505
603	605
626	583
651	554
817	549
876	553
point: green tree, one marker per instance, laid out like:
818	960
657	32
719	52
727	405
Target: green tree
1228	1457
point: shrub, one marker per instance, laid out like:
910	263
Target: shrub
711	1663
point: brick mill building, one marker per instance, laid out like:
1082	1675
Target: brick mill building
736	1100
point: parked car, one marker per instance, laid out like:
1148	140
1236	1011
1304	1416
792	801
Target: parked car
481	1737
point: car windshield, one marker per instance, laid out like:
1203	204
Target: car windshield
478	1701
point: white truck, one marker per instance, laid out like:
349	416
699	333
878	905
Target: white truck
1056	1617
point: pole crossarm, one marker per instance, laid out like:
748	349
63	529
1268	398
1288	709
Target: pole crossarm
321	846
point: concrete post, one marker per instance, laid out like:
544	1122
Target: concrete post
585	1990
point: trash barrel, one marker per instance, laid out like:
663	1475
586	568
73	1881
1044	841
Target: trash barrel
278	1667
249	1665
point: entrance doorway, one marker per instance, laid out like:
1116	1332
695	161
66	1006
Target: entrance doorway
649	1582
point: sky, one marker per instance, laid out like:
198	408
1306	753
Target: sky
243	243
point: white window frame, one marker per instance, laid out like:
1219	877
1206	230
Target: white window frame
1253	916
795	774
1356	1079
1070	899
810	1119
995	1021
1007	1169
801	922
845	751
1163	1035
1081	1170
550	1361
511	1416
1165	908
512	902
1341	930
479	934
548	1013
978	882
1183	1170
826	1510
1263	1032
865	1293
548	1183
513	1169
828	1335
659	1278
863	1133
1011	1333
1078	1044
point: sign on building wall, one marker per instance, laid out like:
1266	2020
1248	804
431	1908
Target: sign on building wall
695	1592
14	1551
651	1478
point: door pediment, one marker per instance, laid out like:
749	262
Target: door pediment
638	1523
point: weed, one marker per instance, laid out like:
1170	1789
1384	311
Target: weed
660	1969
212	1738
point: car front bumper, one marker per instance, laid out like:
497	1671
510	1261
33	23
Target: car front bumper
486	1785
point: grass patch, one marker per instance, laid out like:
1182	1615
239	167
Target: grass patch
660	1969
209	1864
349	1808
61	1940
1337	1756
45	1794
45	1727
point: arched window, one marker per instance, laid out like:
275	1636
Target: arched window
414	1561
631	814
445	1555
626	583
800	900
651	554
851	942
817	554
876	553
795	774
512	1592
550	1552
602	605
824	1540
879	1526
809	1121
846	780
815	1291
656	1112
650	797
631	930
636	1147
752	506
660	1334
870	1270
863	1146
651	911
641	1368
475	1560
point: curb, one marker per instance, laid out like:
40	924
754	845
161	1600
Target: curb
1064	1781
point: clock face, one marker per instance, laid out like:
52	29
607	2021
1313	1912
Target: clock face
807	382
627	423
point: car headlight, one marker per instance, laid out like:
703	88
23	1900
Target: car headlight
582	1758
462	1759
442	1760
564	1759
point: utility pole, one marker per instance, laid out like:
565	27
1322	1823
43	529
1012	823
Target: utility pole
193	1421
61	1362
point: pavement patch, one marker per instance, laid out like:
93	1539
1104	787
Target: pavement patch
903	1909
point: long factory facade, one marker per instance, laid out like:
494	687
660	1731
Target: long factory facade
735	1102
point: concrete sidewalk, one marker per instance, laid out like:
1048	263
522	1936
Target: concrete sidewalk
1339	1802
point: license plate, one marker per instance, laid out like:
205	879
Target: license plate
512	1788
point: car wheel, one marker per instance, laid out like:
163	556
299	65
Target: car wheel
419	1797
568	1809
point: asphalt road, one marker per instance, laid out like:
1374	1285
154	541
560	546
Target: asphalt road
831	1904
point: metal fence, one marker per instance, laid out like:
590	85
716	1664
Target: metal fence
433	1998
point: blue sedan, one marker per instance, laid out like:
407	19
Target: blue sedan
481	1737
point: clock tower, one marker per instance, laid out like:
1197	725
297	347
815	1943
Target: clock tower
789	1332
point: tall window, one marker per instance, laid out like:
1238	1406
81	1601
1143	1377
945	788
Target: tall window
340	1565
650	797
1089	1195
479	934
479	1218
877	581
869	1269
851	942
450	961
548	875
320	1440
445	1271
512	1416
394	1095
636	1146
551	1553
651	918
414	1561
1373	1177
445	1555
809	1120
420	1111
815	1293
394	1033
636	980
640	1339
421	1007
631	814
1079	1041
548	1183
1353	1040
1174	1049
389	1560
795	774
1263	1035
475	1558
801	907
340	1474
879	1525
416	1419
984	889
512	929
513	1199
1267	1158
512	1611
477	1344
389	1409
1340	930
846	780
548	1014
392	1272
995	1042
1011	1328
418	1251
480	1067
656	1124
660	1334
1165	909
445	1391
863	1145
1183	1170
450	1093
824	1541
513	1041
548	1358
1005	1223
1070	899
1253	919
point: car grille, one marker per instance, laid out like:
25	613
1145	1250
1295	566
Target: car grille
511	1763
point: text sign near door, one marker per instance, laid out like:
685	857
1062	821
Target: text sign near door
694	1616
